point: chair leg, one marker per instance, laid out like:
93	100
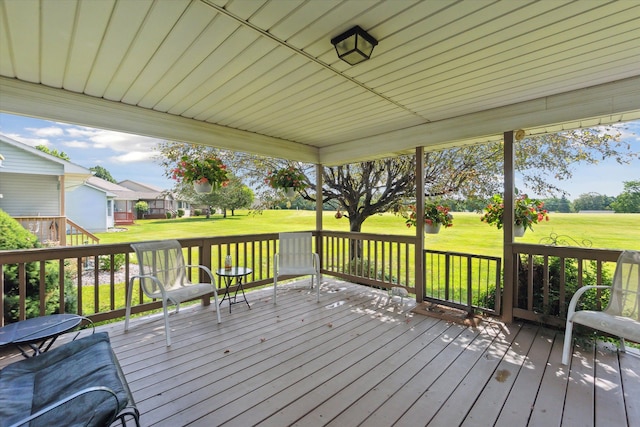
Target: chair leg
566	351
127	312
318	286
215	299
275	285
167	330
623	348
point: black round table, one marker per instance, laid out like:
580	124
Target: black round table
38	333
229	274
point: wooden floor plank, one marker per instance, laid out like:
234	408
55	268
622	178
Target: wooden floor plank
490	402
552	389
630	379
578	406
362	377
353	360
454	411
517	408
430	370
609	398
436	395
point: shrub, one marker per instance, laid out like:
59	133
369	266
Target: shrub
197	212
180	213
105	262
168	215
14	236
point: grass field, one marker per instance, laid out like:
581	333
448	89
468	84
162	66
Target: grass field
468	234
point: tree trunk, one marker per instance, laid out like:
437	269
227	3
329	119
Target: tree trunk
355	246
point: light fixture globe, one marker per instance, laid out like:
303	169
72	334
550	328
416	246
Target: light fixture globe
354	45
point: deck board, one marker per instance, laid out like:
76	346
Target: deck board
352	360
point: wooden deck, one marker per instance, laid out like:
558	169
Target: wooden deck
351	360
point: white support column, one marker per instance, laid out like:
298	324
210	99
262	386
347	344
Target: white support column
319	212
510	280
419	247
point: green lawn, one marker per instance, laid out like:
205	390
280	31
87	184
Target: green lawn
468	234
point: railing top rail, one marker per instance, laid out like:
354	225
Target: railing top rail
607	255
462	254
370	236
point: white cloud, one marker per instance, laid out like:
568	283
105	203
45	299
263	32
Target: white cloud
47	131
76	144
134	157
29	141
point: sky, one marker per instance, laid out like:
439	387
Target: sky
131	157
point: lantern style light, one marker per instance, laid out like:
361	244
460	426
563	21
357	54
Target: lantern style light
354	45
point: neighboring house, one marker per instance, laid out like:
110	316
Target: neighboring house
160	201
122	199
44	192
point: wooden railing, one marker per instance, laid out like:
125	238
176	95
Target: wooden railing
76	235
549	275
91	279
123	218
57	230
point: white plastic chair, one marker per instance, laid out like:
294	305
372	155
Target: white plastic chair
163	275
622	316
296	258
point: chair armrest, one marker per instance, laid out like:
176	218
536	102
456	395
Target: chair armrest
202	267
578	294
147	276
70	398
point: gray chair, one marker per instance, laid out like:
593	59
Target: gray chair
163	275
621	317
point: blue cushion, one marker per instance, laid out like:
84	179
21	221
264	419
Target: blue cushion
29	385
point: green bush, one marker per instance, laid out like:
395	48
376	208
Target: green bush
180	213
197	212
168	214
105	262
588	301
13	236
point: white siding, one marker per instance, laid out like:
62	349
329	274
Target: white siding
25	195
87	206
20	161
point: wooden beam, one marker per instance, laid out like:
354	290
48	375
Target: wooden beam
597	101
419	255
48	103
510	279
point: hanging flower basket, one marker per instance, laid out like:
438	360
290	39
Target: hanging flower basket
205	174
432	228
289	192
435	216
202	187
289	180
526	212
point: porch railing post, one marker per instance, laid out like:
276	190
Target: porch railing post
419	249
319	249
507	236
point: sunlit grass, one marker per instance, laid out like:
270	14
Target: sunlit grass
468	234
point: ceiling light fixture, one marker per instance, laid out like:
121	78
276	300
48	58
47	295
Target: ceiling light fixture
354	45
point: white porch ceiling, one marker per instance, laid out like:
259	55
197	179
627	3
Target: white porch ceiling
262	76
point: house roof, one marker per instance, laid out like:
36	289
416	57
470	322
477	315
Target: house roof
261	76
68	167
124	192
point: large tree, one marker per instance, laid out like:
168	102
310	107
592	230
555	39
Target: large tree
59	154
101	172
629	200
470	172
